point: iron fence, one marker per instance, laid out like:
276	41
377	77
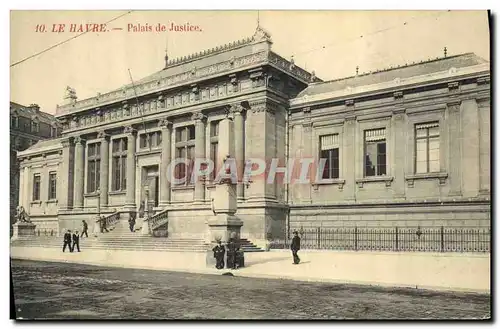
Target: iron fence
430	239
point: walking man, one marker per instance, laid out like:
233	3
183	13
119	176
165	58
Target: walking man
76	242
103	224
295	247
67	241
131	224
85	229
219	252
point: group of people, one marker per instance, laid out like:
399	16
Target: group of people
232	252
71	241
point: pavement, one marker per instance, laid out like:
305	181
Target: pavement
56	290
434	271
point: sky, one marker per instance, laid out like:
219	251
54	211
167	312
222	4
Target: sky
332	43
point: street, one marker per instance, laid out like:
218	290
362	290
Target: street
44	290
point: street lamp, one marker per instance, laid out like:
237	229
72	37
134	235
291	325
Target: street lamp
97	225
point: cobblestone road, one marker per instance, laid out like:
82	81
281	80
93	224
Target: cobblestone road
45	290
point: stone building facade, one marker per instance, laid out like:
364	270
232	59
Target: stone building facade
117	147
28	125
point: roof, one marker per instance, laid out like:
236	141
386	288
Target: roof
402	72
29	112
45	145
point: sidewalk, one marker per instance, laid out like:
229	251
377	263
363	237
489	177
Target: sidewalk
455	272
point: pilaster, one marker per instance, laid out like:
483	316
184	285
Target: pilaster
349	158
455	148
65	184
165	176
400	140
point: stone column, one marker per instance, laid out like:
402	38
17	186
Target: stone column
455	148
484	149
65	186
166	155
400	141
104	170
79	171
131	143
239	142
199	151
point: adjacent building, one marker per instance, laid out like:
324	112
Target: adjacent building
403	146
28	125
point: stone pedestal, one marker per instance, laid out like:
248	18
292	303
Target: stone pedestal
145	226
97	225
225	199
222	226
22	230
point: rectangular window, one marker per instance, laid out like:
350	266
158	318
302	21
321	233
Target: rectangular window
375	152
36	187
93	167
184	149
329	146
14	122
52	186
119	164
153	139
427	148
35	127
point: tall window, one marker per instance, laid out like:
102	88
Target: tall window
214	147
36	187
93	167
53	131
119	164
427	147
375	153
153	139
184	149
14	121
329	146
35	127
52	186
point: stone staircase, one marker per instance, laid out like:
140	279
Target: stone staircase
247	246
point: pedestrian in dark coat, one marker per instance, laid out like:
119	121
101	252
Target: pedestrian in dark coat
103	225
85	229
76	242
219	252
67	241
131	224
231	254
295	247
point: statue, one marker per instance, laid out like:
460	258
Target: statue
70	95
21	215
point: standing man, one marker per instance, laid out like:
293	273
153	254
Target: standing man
295	247
67	241
85	229
219	252
231	254
76	242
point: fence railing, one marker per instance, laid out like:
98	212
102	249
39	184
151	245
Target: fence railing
431	239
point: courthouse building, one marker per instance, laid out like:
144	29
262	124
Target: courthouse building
409	145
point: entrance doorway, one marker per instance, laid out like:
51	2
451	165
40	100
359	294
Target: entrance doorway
150	182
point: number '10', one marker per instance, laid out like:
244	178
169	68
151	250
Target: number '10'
40	28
